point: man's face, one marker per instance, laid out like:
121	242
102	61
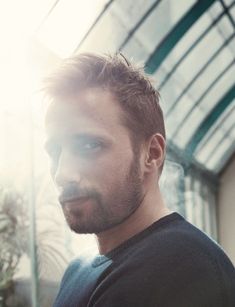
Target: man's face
93	163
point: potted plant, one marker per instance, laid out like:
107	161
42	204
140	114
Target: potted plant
13	237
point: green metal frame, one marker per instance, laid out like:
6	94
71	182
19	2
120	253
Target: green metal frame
189	85
203	95
230	152
169	42
230	17
197	41
210	120
139	23
213	150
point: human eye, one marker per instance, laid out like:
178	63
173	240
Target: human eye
86	146
91	145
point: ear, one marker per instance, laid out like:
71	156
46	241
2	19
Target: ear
155	154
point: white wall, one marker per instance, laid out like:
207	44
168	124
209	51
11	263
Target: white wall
226	210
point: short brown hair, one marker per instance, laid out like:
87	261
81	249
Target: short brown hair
128	83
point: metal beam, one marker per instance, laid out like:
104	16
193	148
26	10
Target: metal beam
199	73
230	17
226	157
196	42
139	23
107	5
202	96
44	19
210	120
221	139
170	41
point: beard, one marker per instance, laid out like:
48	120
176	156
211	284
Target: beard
98	213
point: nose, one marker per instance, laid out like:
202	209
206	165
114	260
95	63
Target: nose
66	170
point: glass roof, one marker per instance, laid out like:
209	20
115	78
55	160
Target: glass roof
67	24
222	131
188	46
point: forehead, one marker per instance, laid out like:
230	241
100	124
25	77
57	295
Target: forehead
92	110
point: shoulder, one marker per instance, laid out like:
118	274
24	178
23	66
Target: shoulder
172	238
82	263
71	270
183	244
178	258
181	237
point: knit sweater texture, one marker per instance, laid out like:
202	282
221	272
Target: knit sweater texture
169	264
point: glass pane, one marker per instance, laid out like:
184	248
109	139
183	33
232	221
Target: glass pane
192	65
230	120
136	50
210	75
215	135
232	133
228	2
169	93
217	92
114	27
225	27
212	72
175	119
130	12
209	149
215	9
188	127
109	29
166	15
68	23
221	159
20	19
217	161
206	105
190	37
232	11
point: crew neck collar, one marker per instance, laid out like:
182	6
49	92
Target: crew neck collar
100	259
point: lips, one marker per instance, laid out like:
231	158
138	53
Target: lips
73	201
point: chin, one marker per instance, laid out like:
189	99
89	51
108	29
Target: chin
84	227
90	228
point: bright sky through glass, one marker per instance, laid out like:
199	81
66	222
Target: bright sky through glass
19	76
68	23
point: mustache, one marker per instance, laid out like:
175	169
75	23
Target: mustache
73	192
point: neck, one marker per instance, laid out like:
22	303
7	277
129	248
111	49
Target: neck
150	210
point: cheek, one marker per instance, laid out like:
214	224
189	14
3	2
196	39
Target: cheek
113	175
107	172
106	169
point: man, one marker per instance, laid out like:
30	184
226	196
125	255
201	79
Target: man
106	140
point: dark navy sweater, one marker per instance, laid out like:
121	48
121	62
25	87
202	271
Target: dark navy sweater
169	264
